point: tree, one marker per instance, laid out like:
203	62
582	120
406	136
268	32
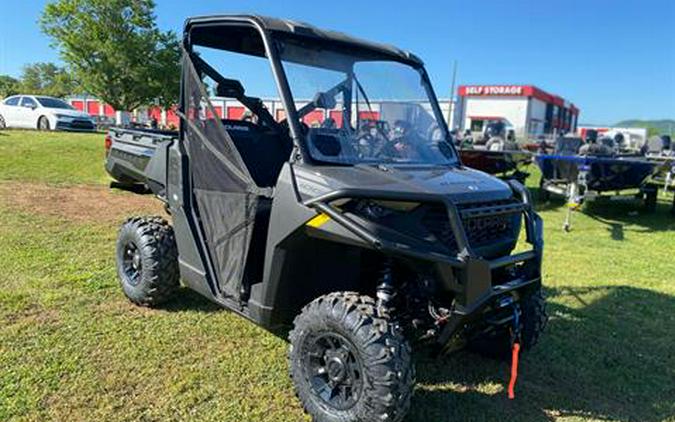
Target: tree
115	50
8	86
47	79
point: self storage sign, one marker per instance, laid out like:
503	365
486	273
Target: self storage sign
493	90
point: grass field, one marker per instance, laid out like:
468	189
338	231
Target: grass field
73	349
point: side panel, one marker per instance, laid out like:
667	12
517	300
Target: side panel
298	267
287	216
189	259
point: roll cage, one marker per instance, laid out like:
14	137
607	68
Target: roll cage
258	36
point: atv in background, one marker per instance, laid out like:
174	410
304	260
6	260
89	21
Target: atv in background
495	152
362	236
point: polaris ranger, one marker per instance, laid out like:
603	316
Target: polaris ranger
363	235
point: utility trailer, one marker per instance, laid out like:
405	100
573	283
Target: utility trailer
361	239
660	150
582	176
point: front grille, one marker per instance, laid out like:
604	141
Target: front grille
81	124
486	224
435	220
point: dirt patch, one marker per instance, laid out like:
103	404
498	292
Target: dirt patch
80	203
33	315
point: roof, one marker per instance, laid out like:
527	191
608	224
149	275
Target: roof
301	29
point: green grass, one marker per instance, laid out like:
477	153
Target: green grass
72	348
53	157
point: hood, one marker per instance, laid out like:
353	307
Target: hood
458	183
67	112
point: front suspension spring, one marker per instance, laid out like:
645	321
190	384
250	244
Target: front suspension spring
385	288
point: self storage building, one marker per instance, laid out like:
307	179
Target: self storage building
528	110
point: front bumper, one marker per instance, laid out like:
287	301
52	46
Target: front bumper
476	283
482	284
75	125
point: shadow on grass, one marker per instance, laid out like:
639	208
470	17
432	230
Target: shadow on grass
608	356
617	215
137	188
186	299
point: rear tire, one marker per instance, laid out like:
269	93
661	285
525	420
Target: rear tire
147	260
43	123
3	124
533	320
348	363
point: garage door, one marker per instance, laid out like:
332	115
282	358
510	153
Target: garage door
93	108
235	112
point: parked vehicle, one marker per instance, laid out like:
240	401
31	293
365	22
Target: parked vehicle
128	153
507	164
496	152
583	171
363	245
42	113
660	150
103	123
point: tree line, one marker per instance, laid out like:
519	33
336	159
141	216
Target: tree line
39	79
111	49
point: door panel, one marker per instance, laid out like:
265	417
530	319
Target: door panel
28	113
11	114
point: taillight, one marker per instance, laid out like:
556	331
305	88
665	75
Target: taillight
108	143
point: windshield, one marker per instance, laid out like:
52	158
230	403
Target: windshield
48	102
363	109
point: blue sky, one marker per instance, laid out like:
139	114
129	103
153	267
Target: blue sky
614	59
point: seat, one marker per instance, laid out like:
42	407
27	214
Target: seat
655	145
262	149
567	145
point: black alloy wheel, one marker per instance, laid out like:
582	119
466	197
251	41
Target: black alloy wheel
334	370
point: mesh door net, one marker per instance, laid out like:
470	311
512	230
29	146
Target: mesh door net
226	195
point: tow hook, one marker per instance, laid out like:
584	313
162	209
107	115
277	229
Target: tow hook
515	350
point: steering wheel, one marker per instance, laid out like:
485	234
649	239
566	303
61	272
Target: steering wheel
388	150
434	133
495	144
366	144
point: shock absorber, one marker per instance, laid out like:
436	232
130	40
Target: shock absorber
385	291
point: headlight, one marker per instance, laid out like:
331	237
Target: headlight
376	210
64	117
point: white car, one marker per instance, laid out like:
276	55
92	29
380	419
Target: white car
42	113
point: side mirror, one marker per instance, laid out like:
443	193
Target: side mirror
323	100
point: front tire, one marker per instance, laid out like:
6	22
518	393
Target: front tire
348	363
147	260
43	123
3	124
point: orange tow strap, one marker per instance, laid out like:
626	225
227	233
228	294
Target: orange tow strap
514	369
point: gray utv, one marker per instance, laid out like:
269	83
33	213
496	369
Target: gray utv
362	233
